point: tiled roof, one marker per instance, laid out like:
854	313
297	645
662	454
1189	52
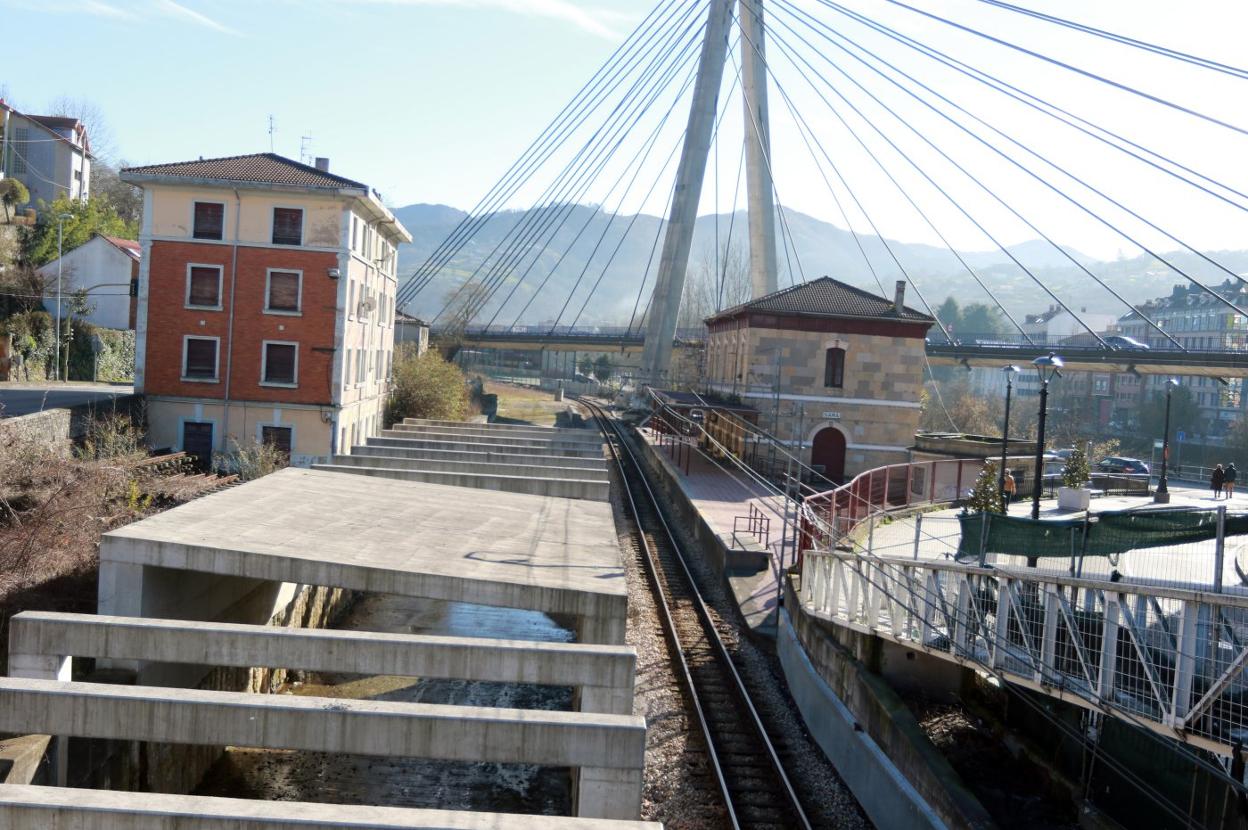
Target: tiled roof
824	297
259	168
127	246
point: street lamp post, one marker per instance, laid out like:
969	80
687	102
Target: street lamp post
1010	371
60	240
1049	367
1162	496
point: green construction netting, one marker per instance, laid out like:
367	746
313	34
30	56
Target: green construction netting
1107	534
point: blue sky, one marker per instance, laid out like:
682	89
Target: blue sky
430	100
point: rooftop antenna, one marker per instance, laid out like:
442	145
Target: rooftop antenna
270	132
305	153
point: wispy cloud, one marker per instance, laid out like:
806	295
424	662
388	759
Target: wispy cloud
594	21
177	10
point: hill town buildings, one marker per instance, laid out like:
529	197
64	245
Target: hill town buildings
49	154
265	305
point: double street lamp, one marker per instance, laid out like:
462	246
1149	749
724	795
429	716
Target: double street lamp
1162	496
1010	371
1049	367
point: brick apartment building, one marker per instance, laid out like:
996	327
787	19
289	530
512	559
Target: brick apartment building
266	305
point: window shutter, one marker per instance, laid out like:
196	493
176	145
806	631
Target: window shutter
287	226
283	291
205	287
279	363
209	221
279	437
201	358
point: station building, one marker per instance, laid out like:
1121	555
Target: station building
831	368
266	307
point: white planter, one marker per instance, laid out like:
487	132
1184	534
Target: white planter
1073	498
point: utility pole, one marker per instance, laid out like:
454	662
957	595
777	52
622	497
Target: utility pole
764	276
678	239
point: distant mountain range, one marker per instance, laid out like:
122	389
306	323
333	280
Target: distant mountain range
818	249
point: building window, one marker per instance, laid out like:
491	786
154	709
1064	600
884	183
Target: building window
209	221
287	226
280	437
279	364
351	300
199	358
283	293
203	286
834	368
21	138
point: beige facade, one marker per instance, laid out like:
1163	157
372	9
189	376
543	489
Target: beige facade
825	382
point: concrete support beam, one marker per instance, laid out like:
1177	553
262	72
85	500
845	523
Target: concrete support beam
40	808
40	641
764	272
557	487
487	444
363	457
403	448
358	727
505	439
589	436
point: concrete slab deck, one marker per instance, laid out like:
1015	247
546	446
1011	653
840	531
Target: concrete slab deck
40	808
311	527
363	457
565	488
488	444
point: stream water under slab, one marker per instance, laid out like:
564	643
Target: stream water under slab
411	782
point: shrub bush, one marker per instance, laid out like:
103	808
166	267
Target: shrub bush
426	386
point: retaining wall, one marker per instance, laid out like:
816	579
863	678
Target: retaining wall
63	426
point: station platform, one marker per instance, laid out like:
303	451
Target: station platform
724	498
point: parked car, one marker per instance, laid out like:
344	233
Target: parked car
1120	342
1065	454
1118	464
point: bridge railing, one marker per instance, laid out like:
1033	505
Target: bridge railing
1072	343
831	518
1169	659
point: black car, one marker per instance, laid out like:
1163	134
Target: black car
1120	342
1118	464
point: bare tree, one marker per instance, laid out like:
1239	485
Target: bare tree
99	133
708	290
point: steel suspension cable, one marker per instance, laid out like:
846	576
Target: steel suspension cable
1050	109
519	171
1083	72
1058	191
924	173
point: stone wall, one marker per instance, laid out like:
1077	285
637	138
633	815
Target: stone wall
62	427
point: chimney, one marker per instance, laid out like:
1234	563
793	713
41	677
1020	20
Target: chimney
322	164
899	296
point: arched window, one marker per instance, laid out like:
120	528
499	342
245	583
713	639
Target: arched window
834	368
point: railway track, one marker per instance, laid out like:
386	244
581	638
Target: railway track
755	788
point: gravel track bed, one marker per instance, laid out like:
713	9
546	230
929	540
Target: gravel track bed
677	779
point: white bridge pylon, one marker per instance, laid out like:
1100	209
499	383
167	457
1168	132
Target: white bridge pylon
678	239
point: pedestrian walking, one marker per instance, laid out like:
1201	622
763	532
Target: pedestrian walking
1229	479
1009	488
1216	479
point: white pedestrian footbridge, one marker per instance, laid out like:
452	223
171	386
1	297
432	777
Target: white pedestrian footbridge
1156	637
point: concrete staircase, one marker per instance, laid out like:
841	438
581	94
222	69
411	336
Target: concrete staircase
566	463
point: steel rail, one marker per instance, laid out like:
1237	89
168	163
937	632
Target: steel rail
620	450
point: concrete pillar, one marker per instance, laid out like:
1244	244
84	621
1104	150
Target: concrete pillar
764	276
607	793
607	631
48	667
674	262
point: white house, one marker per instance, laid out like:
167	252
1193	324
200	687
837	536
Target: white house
49	154
106	267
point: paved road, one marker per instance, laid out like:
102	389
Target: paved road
24	399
